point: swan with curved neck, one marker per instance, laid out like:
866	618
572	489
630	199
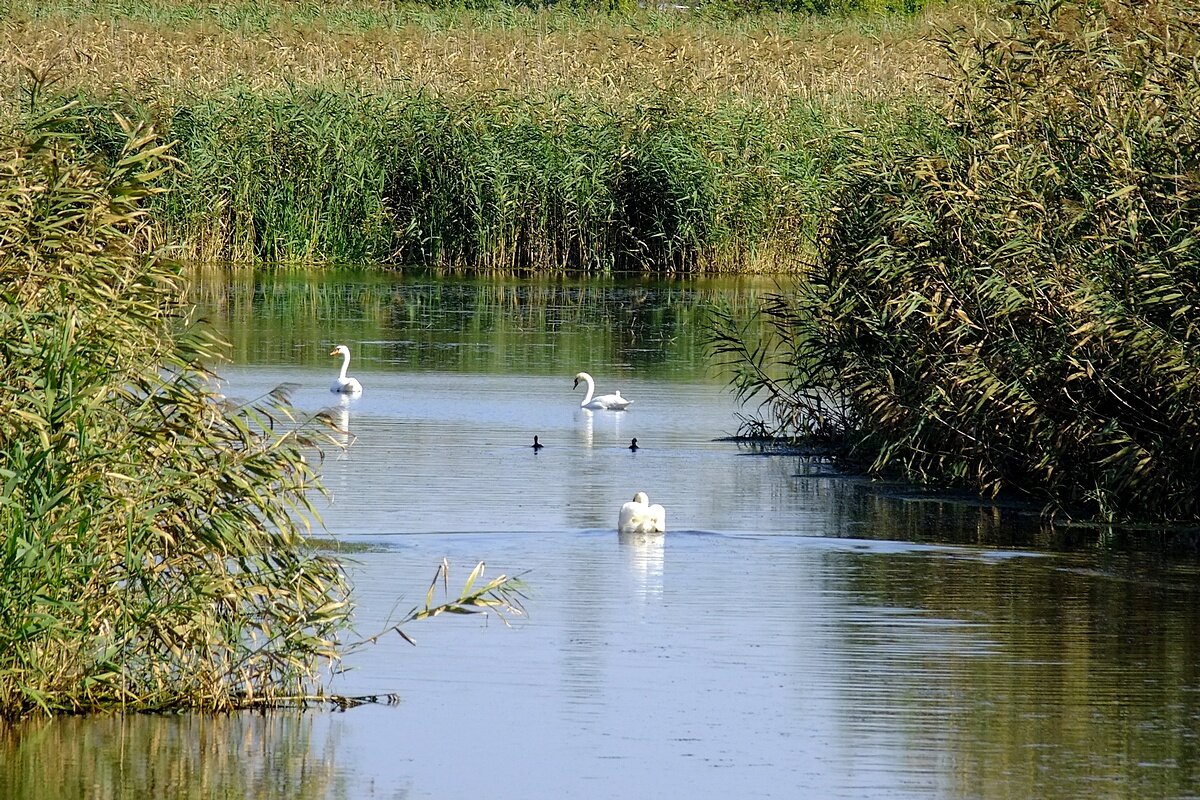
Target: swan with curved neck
610	402
638	516
344	384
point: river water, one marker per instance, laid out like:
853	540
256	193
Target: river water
796	633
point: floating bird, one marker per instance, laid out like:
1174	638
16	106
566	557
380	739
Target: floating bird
537	445
639	517
611	402
344	384
633	445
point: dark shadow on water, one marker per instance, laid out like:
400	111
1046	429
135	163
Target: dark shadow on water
879	509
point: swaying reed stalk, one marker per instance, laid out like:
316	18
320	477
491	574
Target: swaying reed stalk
1017	310
501	596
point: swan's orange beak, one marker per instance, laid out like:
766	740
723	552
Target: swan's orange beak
333	352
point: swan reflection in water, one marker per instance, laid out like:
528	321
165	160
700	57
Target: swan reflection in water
643	554
588	432
339	415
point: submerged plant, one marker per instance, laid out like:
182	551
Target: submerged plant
1017	310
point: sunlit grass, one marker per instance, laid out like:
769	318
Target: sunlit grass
168	49
490	140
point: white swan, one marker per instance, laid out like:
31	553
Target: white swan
612	402
344	384
639	517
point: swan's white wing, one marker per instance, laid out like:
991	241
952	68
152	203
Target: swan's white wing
630	519
655	520
610	401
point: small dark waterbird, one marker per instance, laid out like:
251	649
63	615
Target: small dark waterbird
537	445
633	445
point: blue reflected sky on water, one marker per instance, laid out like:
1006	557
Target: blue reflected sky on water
452	452
797	632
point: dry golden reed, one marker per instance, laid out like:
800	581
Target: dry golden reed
596	59
500	139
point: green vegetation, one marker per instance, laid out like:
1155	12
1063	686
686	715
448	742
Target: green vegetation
320	176
150	554
1017	309
153	549
486	140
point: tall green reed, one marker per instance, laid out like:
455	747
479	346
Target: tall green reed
151	548
490	184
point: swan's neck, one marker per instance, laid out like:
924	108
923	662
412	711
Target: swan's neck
591	389
345	365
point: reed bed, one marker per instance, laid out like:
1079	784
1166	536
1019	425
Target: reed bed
487	140
322	176
173	50
1015	308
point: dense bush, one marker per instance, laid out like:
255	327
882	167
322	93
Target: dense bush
1018	310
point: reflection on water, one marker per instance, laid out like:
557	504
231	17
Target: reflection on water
644	554
710	665
797	633
284	756
340	417
555	325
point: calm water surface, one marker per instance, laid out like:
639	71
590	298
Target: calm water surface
797	633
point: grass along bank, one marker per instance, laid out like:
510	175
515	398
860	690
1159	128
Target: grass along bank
511	139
